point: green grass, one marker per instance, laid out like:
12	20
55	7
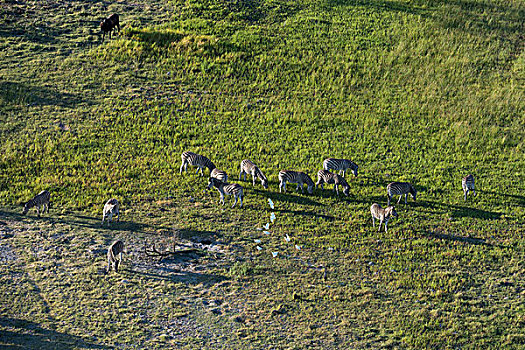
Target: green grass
420	91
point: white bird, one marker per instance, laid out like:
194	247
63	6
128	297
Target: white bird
272	217
266	232
267	226
298	247
259	248
271	203
274	254
257	240
287	238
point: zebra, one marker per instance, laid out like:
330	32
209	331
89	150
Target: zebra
196	160
117	248
110	209
219	175
248	167
400	188
382	215
331	178
340	164
468	185
297	177
227	189
40	200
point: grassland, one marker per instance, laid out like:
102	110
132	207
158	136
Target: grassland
424	91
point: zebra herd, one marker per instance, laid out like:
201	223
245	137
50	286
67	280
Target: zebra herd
219	180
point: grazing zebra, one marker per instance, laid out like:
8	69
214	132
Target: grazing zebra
40	200
331	178
110	209
297	177
468	185
227	189
340	164
117	248
219	175
400	188
195	160
248	167
382	215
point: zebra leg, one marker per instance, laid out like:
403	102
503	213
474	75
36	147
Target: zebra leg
388	202
117	214
474	192
380	222
240	174
386	223
235	200
240	197
253	178
465	194
38	210
222	199
399	200
182	166
344	172
373	221
406	194
336	189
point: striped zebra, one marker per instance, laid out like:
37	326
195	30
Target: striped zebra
383	215
297	177
340	164
248	167
219	175
110	209
324	176
400	188
40	200
197	160
468	185
117	248
227	189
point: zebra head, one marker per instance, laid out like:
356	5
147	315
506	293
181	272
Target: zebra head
390	211
213	182
346	190
354	169
264	182
413	192
27	206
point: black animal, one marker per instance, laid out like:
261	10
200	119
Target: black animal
109	24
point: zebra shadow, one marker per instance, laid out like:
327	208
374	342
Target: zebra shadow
22	334
288	197
520	200
458	211
447	237
307	213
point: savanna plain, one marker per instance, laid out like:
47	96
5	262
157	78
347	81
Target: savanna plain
420	91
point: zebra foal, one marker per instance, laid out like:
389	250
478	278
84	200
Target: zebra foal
110	209
248	167
468	185
40	200
297	177
197	160
227	189
116	249
324	176
400	188
383	215
340	165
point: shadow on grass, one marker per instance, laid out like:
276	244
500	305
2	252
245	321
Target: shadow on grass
76	220
22	334
307	213
188	278
458	211
520	200
286	197
20	93
447	237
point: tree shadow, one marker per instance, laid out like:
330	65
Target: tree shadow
21	334
16	93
